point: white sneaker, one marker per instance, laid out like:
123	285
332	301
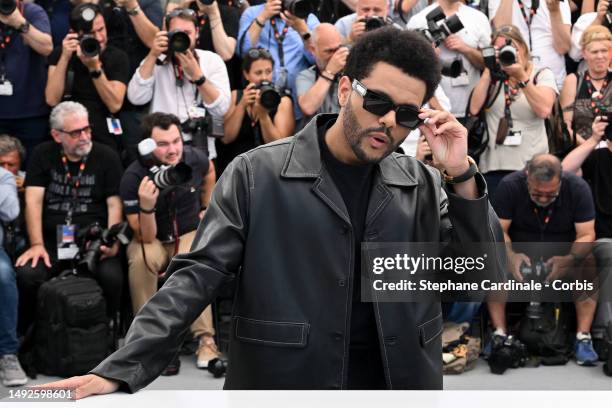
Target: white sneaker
11	373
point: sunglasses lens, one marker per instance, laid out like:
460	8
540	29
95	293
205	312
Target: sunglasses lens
376	105
408	117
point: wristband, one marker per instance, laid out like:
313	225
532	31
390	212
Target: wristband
134	11
151	211
326	78
470	172
95	74
258	23
199	81
523	84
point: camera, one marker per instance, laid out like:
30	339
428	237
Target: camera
217	367
162	175
507	353
93	237
452	68
201	128
439	27
607	117
81	21
300	8
490	61
204	2
507	54
178	41
269	96
537	272
7	7
374	22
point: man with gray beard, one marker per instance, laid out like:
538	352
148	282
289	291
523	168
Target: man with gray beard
71	182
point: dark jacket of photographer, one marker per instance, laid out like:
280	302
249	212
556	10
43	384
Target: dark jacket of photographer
277	226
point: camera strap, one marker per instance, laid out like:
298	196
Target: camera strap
69	82
75	188
542	224
510	94
535	4
279	37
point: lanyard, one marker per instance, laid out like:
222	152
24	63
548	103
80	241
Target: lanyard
280	37
6	39
596	96
547	216
535	4
77	183
202	20
509	97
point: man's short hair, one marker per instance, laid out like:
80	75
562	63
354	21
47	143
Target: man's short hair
160	120
544	168
182	13
406	50
10	144
56	119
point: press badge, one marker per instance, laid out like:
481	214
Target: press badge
66	245
461	80
114	126
6	88
196	112
514	138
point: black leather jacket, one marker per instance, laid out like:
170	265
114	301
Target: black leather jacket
278	226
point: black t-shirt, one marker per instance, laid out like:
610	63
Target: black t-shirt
354	183
184	200
84	91
596	171
100	180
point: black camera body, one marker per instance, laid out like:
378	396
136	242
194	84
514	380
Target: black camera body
508	54
607	117
201	128
81	21
7	7
452	68
490	61
269	95
163	175
439	27
536	272
374	22
93	237
178	41
507	353
300	8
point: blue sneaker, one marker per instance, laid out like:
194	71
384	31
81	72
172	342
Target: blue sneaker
585	353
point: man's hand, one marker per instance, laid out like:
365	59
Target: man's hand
423	150
160	44
109	252
258	110
271	9
455	43
15	19
92	63
602	10
357	29
147	193
447	139
83	386
560	267
35	253
190	64
210	9
599	127
249	95
298	24
515	260
19	180
337	61
69	45
516	71
127	4
553	6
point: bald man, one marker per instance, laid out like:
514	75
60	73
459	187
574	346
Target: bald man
351	27
317	86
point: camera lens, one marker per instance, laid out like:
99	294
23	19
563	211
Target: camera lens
299	8
507	55
269	96
452	68
7	7
178	41
372	23
90	47
453	24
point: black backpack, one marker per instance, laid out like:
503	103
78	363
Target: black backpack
72	331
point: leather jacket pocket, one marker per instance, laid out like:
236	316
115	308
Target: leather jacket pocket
271	333
430	330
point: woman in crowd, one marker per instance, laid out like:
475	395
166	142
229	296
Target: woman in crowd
589	95
252	120
518	98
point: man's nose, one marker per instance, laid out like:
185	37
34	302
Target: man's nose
388	120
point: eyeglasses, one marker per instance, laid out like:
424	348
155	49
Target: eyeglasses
405	115
545	196
180	12
75	134
255	53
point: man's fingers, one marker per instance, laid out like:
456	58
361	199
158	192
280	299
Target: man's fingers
89	388
67	384
47	260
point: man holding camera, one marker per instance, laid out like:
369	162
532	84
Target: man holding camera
368	14
96	76
165	218
462	46
544	204
71	183
25	42
317	86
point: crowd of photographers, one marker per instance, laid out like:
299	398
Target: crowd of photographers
173	91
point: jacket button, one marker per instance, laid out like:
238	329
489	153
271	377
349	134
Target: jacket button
341	282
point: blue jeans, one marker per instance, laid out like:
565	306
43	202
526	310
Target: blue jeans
8	306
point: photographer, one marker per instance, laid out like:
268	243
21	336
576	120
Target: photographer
249	122
165	221
601	17
25	42
317	86
589	95
70	184
351	27
545	25
464	46
96	80
518	98
544	204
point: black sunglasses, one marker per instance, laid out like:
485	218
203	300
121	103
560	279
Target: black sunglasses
256	53
405	115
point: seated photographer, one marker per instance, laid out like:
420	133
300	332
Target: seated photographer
589	95
368	15
189	83
544	204
259	114
96	76
12	155
462	46
71	183
518	97
164	219
11	372
317	86
25	42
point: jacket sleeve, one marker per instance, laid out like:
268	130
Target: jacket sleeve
196	277
9	201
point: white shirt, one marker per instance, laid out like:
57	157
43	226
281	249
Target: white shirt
476	33
161	90
581	24
543	51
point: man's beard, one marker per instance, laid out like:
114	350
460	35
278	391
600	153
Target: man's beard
355	135
83	150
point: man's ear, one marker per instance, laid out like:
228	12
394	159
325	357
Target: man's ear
344	90
56	136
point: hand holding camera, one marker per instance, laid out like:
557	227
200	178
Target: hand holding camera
70	44
11	16
559	266
127	4
358	28
160	44
92	62
249	95
516	262
337	62
147	194
554	6
189	64
297	23
601	128
271	9
455	43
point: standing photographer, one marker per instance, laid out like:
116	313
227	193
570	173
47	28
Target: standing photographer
95	78
164	220
351	27
71	183
255	118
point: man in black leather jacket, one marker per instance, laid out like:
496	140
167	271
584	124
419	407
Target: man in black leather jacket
285	225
